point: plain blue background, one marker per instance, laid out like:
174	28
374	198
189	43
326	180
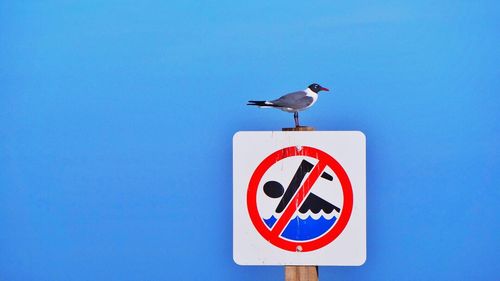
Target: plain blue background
116	122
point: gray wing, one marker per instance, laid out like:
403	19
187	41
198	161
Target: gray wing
295	100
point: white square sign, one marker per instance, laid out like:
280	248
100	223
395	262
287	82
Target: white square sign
299	198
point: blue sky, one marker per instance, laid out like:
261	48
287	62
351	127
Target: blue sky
116	120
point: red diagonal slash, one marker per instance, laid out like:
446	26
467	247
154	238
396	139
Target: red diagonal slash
298	199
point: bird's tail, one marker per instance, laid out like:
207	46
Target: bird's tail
260	103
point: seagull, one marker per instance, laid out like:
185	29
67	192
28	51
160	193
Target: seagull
293	102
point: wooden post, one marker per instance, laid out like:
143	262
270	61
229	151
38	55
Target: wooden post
299	128
303	272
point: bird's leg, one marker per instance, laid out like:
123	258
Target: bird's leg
296	118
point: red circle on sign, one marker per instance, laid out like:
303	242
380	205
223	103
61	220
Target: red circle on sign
275	239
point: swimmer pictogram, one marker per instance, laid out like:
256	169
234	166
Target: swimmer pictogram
312	203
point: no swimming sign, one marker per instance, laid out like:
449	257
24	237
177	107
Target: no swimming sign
299	198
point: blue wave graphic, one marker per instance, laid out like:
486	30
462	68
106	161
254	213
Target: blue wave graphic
304	229
270	221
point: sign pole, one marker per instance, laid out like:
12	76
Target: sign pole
308	272
301	273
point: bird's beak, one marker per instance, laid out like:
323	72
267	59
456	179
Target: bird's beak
324	89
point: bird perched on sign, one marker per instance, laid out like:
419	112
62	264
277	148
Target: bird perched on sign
293	102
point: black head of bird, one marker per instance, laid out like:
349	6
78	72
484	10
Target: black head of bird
317	88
